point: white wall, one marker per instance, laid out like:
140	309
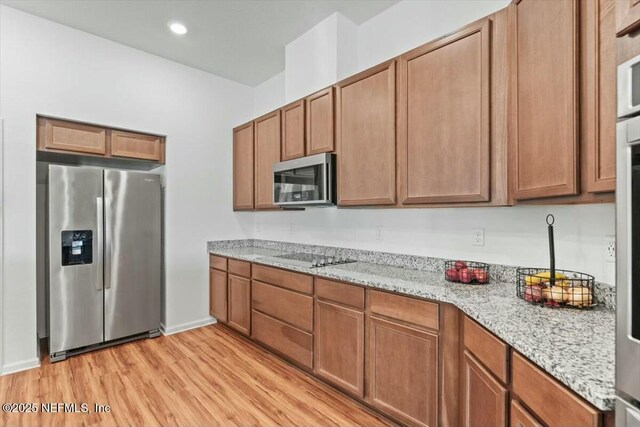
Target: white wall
514	236
269	95
51	69
320	57
409	24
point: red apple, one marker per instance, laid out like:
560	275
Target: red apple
480	275
460	265
452	274
466	275
534	293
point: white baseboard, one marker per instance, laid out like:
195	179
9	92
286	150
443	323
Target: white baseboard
22	365
186	326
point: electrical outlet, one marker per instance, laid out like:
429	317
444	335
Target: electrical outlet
379	234
477	236
610	253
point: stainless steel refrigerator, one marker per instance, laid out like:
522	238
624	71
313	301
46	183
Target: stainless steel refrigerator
104	257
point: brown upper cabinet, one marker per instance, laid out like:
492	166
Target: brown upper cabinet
365	136
137	146
70	136
518	107
62	136
545	92
243	167
293	134
444	123
562	129
267	152
627	16
598	91
320	122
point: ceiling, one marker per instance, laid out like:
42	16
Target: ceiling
242	40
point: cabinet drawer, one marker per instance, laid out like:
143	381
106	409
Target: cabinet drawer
240	268
410	310
288	306
487	348
340	292
218	262
547	398
286	279
136	145
285	339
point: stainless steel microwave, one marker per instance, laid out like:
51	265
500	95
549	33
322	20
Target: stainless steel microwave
308	181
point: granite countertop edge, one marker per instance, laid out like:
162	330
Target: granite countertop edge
598	388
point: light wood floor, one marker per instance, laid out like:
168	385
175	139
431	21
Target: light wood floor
206	376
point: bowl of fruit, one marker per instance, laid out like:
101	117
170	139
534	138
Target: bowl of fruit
567	288
469	272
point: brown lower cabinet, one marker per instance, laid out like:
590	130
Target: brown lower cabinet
339	346
405	357
230	292
484	398
403	374
520	417
218	294
239	309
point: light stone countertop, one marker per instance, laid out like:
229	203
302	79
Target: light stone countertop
575	346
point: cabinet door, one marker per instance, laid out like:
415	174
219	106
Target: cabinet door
544	126
239	300
339	346
243	167
293	130
599	95
70	136
403	374
267	149
366	137
320	122
520	417
218	295
627	16
484	399
137	146
444	119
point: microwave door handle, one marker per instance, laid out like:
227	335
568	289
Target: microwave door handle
325	182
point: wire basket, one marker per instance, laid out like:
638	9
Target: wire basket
569	288
469	272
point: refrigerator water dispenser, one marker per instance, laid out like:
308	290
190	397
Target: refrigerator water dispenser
77	247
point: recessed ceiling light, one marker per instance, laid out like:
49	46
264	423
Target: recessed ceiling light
178	28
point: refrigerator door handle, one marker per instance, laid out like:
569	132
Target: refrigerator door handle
99	226
107	244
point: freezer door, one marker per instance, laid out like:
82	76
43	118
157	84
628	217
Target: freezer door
75	257
132	258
